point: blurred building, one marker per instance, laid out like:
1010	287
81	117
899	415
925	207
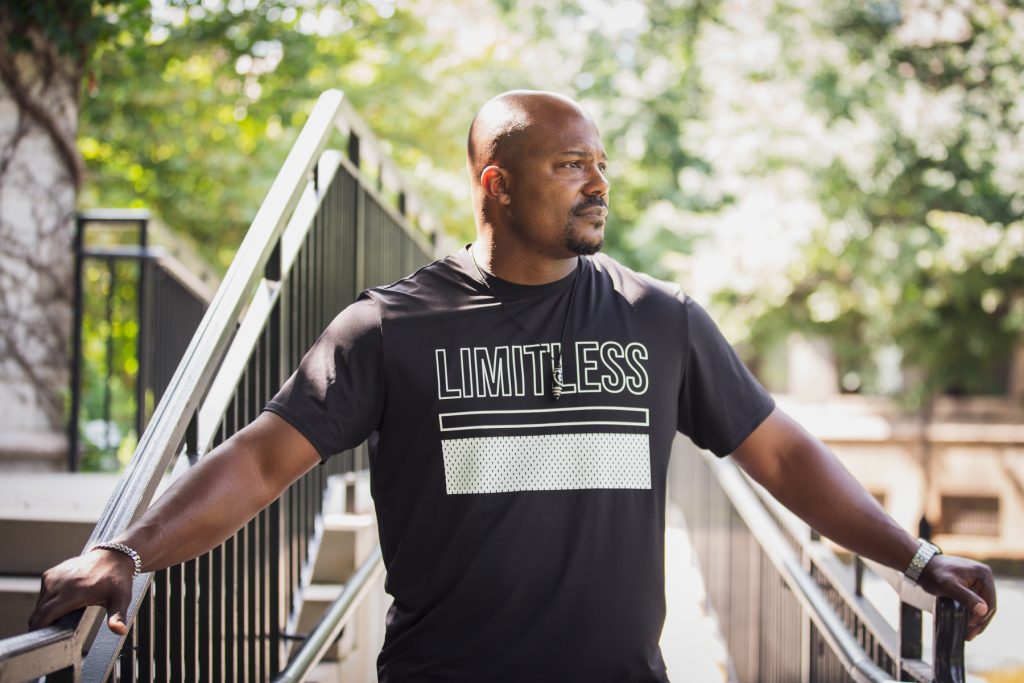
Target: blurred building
961	468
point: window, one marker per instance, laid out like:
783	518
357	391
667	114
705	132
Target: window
970	515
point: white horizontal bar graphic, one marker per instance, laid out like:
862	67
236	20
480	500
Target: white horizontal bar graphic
545	417
546	462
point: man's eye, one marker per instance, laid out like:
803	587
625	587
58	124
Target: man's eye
603	167
572	164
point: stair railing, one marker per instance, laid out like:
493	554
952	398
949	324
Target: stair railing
788	608
324	232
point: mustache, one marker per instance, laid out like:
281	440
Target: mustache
589	203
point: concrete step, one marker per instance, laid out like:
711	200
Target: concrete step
48	517
326	672
347	539
316	598
348	493
17	600
349	534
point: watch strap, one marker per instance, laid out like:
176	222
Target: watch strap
926	550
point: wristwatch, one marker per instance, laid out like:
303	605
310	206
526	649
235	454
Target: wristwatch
926	550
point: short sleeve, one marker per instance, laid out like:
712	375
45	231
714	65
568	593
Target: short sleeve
720	401
336	396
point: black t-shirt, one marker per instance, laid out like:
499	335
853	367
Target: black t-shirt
523	537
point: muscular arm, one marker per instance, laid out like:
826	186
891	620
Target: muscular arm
202	508
806	477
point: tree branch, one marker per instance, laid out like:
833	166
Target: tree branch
27	104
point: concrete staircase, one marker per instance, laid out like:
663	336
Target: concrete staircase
347	536
44	519
48	517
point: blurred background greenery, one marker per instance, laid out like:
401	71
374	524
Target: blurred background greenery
850	171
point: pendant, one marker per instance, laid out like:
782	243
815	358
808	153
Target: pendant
556	380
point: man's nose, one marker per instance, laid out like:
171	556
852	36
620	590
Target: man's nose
598	184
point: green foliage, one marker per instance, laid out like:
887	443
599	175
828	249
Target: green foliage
110	366
75	27
193	117
921	243
883	139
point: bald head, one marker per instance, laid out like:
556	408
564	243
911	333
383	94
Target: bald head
504	125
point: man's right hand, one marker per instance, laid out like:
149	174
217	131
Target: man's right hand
220	493
99	577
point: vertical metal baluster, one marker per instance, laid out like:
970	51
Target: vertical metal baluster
335	304
191	623
263	593
175	624
248	401
251	604
218	636
108	370
277	594
359	209
241	621
141	346
204	631
314	280
262	391
76	346
160	626
144	637
230	611
125	671
911	646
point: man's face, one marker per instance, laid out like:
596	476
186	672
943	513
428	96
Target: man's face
558	191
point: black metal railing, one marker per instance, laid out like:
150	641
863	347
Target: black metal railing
223	616
137	298
788	608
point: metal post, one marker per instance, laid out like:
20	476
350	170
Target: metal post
76	349
140	339
111	288
910	637
353	149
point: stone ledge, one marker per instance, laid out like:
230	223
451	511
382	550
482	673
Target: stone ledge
33	451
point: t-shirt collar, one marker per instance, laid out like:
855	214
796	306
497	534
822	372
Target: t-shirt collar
512	290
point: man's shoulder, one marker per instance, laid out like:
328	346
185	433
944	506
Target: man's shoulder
437	284
637	287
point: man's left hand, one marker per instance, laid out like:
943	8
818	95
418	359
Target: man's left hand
968	582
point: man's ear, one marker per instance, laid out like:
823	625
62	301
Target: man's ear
494	181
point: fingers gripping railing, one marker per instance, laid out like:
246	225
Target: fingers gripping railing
222	616
788	608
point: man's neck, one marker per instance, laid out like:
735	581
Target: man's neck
520	266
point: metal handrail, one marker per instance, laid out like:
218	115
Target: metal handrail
30	655
334	619
767	521
854	659
951	615
176	415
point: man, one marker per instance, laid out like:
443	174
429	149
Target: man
525	393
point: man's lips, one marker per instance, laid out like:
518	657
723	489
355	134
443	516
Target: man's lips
594	212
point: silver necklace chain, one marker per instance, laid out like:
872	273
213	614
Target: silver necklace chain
557	381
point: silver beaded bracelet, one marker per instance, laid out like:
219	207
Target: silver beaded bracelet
925	552
122	548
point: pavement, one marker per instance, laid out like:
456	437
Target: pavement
693	650
998	650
